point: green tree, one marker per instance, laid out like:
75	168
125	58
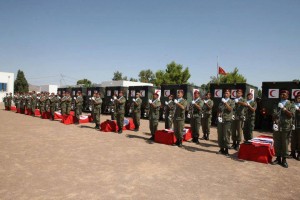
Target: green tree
118	76
259	93
146	76
133	79
174	74
21	84
85	82
231	77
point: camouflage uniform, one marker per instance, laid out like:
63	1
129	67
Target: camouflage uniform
136	115
206	120
250	121
179	119
169	114
120	111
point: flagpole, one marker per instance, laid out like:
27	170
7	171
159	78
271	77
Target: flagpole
218	69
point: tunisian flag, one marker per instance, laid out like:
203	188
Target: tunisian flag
221	71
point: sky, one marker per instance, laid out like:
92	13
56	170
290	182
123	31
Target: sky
62	41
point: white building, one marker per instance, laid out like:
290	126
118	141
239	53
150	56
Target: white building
6	84
49	88
123	83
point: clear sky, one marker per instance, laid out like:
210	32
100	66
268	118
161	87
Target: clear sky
94	38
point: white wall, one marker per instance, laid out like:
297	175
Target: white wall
9	79
49	88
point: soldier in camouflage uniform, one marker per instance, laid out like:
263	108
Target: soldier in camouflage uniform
295	141
238	119
33	102
136	114
154	115
97	103
53	101
28	103
120	110
42	103
78	105
17	101
179	117
169	112
195	112
250	117
9	99
22	103
113	108
206	120
68	103
225	112
63	104
282	117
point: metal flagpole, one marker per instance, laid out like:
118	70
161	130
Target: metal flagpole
218	69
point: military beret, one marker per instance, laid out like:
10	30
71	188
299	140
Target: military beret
298	95
181	91
239	90
284	91
227	90
196	92
249	94
156	94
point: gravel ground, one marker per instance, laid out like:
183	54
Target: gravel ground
43	159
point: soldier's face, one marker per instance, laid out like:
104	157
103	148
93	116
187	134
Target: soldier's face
196	95
298	100
208	96
284	96
239	94
249	97
226	94
179	95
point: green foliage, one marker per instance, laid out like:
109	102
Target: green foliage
259	93
118	76
146	76
231	77
174	74
133	79
296	80
85	82
21	84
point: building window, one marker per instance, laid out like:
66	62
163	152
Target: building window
3	87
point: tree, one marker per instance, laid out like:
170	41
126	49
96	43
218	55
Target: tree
231	77
174	74
146	76
21	84
133	79
85	82
119	76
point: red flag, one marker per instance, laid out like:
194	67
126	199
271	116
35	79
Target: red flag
222	71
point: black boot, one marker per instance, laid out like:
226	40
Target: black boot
204	137
221	151
298	156
180	143
226	153
233	145
293	155
284	163
152	138
207	137
237	146
277	161
120	131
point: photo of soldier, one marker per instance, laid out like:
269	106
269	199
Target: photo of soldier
283	117
207	115
225	113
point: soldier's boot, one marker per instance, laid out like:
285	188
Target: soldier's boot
152	138
97	126
180	143
197	141
120	131
233	145
136	129
176	143
207	137
226	153
293	155
298	156
237	146
277	161
284	163
204	137
221	151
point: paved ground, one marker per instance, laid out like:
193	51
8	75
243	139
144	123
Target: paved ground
41	159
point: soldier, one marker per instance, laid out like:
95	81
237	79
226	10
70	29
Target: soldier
97	103
9	99
5	101
28	103
33	102
78	105
17	101
154	115
113	108
136	115
206	119
42	103
53	100
169	112
238	119
68	101
250	117
282	117
63	105
179	117
22	103
225	112
295	142
195	115
120	110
